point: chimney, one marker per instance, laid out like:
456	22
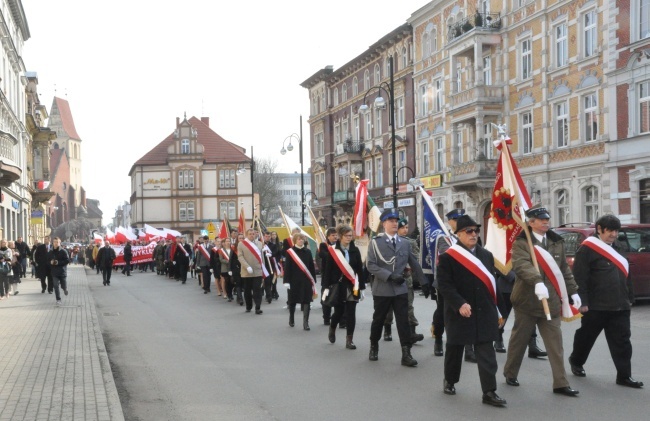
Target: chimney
206	121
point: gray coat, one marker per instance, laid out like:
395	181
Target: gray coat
383	260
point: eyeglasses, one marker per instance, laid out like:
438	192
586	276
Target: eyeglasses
472	230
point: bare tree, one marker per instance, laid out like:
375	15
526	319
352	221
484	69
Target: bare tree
267	185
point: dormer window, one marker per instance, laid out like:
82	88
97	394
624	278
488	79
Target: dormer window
185	146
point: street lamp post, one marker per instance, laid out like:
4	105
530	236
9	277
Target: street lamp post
380	104
302	173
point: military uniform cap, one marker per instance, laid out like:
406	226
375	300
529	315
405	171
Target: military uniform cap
539	212
390	213
455	213
402	222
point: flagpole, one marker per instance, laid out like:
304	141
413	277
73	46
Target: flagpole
515	204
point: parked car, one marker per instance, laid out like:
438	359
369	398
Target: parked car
634	240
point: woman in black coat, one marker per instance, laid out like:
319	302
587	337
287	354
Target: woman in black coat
298	282
235	268
346	300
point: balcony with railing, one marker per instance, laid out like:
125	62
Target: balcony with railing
343	197
472	175
480	22
479	95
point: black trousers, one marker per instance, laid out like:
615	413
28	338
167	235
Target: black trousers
181	271
207	277
486	359
229	284
253	292
268	288
50	283
439	317
327	310
616	325
106	275
382	305
349	310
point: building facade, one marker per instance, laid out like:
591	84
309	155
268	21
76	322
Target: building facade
348	142
189	180
289	192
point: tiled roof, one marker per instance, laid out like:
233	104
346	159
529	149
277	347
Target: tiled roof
66	118
216	148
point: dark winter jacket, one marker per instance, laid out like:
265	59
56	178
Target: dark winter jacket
105	257
335	276
300	291
61	260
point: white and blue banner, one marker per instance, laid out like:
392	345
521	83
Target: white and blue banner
433	229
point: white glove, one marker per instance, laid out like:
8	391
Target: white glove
287	286
577	302
230	273
249	269
541	291
174	263
362	296
210	270
326	293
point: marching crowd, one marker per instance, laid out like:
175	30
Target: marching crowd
473	298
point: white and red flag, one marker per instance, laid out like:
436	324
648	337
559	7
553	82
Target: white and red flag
97	238
110	236
223	231
510	201
360	204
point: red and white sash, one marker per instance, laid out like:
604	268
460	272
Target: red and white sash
478	269
278	267
291	252
224	255
608	252
554	274
204	252
257	253
344	267
183	248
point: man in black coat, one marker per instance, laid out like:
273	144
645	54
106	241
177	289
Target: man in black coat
181	258
43	266
324	255
58	260
466	279
606	295
23	252
105	258
128	256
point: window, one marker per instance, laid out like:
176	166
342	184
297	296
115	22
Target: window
346	131
369	173
527	132
644	19
190	211
590	42
423	105
355	86
186	179
344	92
591	119
232	211
561	46
459	147
337	134
323	105
562	206
434	40
437	95
399	113
526	55
424	157
401	164
488	146
182	211
368	130
487	70
379	177
185	146
440	154
357	129
644	107
562	124
459	78
366	80
591	204
405	58
320	145
377	79
378	123
336	96
226	179
426	45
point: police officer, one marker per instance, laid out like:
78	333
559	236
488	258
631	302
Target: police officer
402	230
388	256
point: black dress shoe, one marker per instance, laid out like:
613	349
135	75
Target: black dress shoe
326	322
630	382
512	381
258	311
491	398
499	347
448	388
373	355
566	391
576	369
248	310
205	292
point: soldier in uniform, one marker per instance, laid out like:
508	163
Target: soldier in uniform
388	256
402	230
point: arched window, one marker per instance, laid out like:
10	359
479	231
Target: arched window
366	82
440	211
562	206
405	58
377	74
336	96
344	92
591	204
426	46
458	205
355	86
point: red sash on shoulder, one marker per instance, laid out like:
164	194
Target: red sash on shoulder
223	254
291	252
608	252
345	268
474	265
257	253
554	274
204	252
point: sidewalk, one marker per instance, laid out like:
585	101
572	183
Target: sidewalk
53	363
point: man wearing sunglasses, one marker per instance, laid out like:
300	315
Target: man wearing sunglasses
531	286
467	281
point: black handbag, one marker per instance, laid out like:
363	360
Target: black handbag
333	296
5	269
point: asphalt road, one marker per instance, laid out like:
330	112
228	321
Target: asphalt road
178	354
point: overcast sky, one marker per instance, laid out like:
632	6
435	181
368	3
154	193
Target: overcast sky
129	68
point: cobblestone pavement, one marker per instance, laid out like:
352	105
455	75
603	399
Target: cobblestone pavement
53	363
